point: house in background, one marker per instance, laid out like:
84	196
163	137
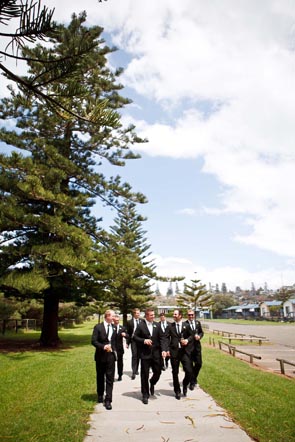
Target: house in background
269	309
241	311
289	309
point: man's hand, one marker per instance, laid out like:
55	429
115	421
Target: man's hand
107	347
148	342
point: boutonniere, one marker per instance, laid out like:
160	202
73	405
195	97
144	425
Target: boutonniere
184	327
154	326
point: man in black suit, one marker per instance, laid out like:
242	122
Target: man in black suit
164	324
179	345
104	340
196	354
150	342
121	333
131	327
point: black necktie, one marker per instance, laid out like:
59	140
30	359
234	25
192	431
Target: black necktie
178	331
108	332
192	325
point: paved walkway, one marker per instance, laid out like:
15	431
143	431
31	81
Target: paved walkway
196	418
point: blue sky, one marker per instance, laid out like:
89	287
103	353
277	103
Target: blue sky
213	90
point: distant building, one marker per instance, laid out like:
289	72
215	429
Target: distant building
289	309
271	308
241	311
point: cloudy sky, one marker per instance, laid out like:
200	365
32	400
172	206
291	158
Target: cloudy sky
213	89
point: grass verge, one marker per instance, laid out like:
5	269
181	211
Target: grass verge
47	395
261	402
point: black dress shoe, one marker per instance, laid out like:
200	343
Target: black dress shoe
152	389
108	405
177	396
145	400
184	391
100	399
192	386
120	378
163	368
133	377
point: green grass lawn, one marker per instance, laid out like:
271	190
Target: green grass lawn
261	402
48	395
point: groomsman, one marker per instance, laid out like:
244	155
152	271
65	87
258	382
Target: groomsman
196	354
132	324
120	336
104	341
164	324
179	343
150	342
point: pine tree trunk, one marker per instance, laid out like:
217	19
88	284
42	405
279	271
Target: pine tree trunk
49	335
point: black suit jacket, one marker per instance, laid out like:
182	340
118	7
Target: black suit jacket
198	331
142	333
130	329
173	339
99	340
120	339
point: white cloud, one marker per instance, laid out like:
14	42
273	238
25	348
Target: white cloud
187	211
233	276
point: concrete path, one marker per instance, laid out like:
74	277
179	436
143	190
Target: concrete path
196	418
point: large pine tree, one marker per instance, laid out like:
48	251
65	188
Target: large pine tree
128	269
49	184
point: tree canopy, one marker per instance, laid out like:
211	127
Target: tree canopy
194	295
51	179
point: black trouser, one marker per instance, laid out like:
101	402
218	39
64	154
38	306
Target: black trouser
120	363
146	364
105	372
134	357
165	361
196	359
186	362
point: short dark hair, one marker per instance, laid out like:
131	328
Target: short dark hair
162	314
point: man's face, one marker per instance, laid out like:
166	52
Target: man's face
150	316
163	318
109	317
176	315
136	314
191	316
116	320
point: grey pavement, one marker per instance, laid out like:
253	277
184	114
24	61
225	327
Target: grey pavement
281	344
195	418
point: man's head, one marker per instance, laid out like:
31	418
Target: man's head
177	315
136	313
109	316
190	315
149	315
162	317
116	319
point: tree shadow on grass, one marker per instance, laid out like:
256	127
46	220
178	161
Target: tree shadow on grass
28	342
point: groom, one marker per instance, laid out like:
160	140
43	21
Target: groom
150	343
